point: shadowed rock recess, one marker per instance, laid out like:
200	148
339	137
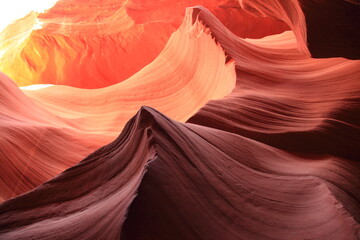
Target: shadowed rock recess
248	128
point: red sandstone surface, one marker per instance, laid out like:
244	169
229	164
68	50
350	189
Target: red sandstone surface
181	120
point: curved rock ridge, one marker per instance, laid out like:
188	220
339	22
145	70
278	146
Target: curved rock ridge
322	28
286	99
86	119
171	81
287	10
274	153
97	190
200	183
36	145
92	44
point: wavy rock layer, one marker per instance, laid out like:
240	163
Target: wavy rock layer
87	119
36	145
322	28
283	98
92	44
96	192
201	183
277	158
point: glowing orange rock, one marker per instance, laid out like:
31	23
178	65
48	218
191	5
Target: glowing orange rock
85	119
92	44
214	177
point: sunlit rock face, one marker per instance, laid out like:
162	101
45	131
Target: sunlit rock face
170	120
92	44
174	83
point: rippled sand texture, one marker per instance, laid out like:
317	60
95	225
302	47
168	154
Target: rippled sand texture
231	120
